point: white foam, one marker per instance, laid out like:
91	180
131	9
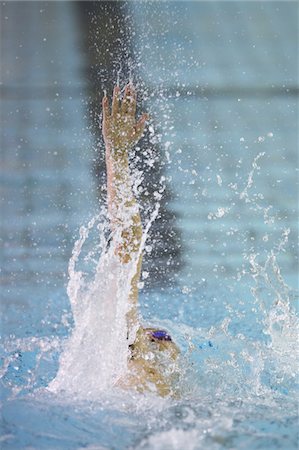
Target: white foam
95	355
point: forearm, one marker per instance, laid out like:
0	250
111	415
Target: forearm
119	185
122	206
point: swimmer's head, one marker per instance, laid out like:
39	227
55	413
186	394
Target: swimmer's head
153	340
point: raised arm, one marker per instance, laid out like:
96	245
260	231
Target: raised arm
121	132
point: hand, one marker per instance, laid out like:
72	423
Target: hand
120	129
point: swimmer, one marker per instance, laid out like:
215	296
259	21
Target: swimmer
152	352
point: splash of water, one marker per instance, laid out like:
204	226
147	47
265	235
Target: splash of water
95	355
280	321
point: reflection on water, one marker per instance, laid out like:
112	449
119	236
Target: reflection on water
46	154
228	159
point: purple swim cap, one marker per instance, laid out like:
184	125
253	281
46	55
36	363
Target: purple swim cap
161	335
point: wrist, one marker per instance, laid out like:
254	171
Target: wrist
119	150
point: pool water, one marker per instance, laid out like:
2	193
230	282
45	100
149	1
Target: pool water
231	305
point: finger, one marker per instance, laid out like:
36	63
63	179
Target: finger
105	105
140	125
115	101
132	103
126	100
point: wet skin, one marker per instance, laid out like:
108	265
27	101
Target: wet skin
150	359
146	370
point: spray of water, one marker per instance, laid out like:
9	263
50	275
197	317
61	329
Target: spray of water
95	355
